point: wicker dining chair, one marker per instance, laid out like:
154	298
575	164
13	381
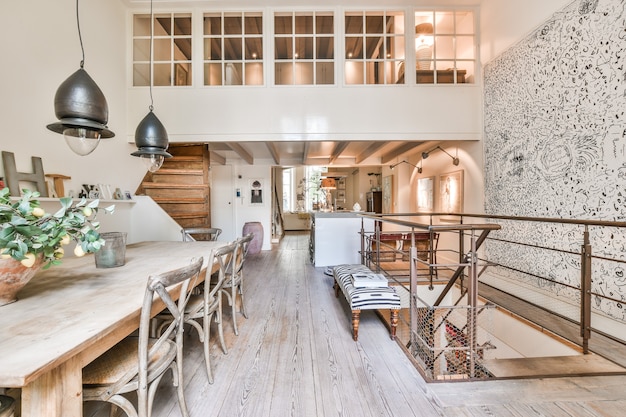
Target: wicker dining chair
233	284
191	234
138	363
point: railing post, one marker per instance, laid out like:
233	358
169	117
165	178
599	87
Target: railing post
472	294
377	240
585	291
363	241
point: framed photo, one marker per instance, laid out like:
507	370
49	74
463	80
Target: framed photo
256	192
451	192
341	184
425	194
341	195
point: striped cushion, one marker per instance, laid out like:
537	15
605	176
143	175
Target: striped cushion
364	298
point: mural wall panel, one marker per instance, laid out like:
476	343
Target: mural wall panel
555	134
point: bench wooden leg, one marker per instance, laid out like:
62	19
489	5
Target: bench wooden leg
336	287
394	323
356	316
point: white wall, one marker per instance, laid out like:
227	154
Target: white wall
40	49
242	209
503	23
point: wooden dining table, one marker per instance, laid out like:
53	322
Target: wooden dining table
70	314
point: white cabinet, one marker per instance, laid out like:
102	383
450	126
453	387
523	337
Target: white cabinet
336	239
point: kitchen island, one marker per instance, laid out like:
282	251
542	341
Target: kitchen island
335	237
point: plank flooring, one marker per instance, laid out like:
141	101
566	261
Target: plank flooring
295	356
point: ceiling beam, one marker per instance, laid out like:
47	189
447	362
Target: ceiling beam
245	155
217	158
400	150
339	148
369	151
274	152
305	152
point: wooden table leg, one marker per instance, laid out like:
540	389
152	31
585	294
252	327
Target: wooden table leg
58	393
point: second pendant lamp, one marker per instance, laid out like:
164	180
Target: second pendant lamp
150	136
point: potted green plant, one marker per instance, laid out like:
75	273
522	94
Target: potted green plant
30	238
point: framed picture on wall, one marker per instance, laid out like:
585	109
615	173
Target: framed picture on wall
426	194
451	192
341	184
256	192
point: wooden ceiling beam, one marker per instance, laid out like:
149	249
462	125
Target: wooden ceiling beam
399	151
339	148
241	151
274	152
369	151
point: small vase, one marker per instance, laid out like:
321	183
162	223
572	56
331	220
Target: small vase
13	277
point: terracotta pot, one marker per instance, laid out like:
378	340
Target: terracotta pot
13	276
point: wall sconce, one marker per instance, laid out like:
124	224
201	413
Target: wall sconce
150	136
455	160
81	108
419	169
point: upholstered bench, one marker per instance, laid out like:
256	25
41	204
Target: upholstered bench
365	298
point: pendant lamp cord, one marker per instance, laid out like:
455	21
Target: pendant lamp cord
151	47
80	37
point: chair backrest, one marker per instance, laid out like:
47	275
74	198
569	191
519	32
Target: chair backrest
224	257
200	233
166	286
242	251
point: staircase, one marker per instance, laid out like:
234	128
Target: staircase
181	187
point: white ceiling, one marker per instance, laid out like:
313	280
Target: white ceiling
335	153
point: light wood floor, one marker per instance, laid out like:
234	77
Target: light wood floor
295	356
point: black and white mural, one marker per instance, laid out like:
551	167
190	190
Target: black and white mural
555	140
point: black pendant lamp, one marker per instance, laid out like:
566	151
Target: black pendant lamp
81	109
150	135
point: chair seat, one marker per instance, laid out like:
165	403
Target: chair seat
119	365
196	304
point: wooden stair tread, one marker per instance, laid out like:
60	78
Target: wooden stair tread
178	171
168	200
184	158
172	185
189	215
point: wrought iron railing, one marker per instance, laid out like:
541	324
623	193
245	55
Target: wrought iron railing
573	269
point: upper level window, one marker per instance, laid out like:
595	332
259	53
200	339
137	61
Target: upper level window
374	47
171	52
304	48
444	47
233	48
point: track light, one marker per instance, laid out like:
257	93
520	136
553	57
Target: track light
455	160
419	169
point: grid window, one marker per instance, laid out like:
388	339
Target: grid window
304	48
375	46
444	47
233	48
171	49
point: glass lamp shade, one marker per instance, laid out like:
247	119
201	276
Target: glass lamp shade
80	140
82	111
152	142
152	162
